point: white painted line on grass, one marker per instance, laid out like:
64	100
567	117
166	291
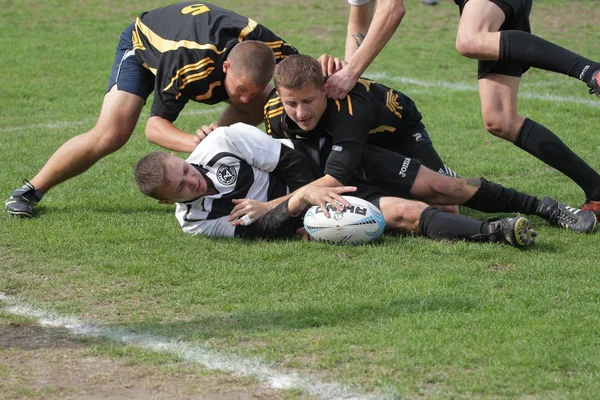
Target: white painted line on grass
455	86
592	101
86	121
204	355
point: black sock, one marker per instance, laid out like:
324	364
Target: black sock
531	50
439	225
492	197
547	147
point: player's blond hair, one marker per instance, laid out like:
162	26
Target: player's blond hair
253	60
298	70
151	174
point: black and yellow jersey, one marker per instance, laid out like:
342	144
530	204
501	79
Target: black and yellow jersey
185	45
370	113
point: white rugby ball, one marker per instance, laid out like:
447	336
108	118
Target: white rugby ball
362	222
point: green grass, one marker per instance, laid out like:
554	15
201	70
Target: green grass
429	319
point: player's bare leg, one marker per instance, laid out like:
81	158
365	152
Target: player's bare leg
118	117
478	35
417	217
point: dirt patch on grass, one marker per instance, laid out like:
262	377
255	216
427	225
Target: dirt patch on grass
39	362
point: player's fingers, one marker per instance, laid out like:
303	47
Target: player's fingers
338	64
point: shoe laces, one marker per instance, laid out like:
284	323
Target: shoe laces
560	214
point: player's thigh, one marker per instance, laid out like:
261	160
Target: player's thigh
477	35
119	114
498	94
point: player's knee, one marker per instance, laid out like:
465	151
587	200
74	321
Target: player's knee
497	124
467	46
403	214
107	140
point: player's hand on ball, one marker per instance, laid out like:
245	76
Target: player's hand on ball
319	196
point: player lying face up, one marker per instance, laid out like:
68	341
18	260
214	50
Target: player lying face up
237	184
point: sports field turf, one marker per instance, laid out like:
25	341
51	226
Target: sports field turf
405	317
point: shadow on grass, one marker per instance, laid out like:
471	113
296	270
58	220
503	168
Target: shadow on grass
231	325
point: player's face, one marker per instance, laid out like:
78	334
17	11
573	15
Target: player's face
238	87
184	182
305	106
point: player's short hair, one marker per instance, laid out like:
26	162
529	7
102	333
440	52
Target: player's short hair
151	174
253	60
296	71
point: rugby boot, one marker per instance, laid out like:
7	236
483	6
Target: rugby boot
23	200
514	231
592	206
558	214
594	83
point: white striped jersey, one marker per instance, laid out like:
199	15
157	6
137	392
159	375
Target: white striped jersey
238	160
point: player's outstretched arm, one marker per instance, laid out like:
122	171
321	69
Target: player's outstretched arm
362	48
162	132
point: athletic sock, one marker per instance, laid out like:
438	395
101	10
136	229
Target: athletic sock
531	50
492	197
541	143
439	225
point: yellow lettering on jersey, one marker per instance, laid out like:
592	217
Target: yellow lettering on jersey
208	93
392	103
382	128
247	29
164	45
337	103
195	9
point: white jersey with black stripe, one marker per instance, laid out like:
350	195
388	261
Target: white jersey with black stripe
238	160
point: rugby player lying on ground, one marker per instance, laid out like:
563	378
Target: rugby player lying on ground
236	183
377	115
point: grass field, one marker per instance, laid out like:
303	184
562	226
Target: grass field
405	317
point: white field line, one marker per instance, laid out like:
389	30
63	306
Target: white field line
455	86
88	121
203	355
591	101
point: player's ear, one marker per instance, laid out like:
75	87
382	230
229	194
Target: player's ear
226	66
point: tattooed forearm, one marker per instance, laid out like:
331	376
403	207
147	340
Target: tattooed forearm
358	38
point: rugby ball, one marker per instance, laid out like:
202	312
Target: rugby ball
362	222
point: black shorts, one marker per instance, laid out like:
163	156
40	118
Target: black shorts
413	142
385	173
516	14
127	72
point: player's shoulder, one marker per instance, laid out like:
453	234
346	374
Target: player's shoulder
273	113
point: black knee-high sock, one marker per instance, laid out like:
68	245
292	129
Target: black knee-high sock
492	197
439	225
547	147
528	49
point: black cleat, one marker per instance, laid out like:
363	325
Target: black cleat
515	231
594	83
23	200
562	215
